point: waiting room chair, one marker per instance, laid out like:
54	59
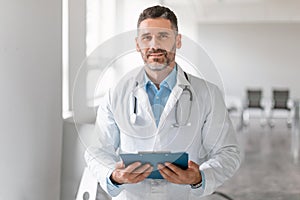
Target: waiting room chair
280	102
89	188
253	102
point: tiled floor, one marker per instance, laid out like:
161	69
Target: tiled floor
268	170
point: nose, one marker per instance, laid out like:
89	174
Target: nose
154	43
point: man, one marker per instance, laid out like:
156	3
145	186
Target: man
161	108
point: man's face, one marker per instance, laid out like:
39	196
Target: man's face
157	42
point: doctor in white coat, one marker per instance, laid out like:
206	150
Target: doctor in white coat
161	108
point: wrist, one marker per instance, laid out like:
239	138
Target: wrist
197	185
198	182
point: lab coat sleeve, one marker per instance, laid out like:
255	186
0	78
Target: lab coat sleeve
220	152
101	157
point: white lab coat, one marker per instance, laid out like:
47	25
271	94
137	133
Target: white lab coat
210	141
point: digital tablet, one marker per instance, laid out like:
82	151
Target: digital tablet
179	159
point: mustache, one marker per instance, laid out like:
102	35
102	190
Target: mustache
156	51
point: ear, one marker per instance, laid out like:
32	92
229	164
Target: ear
178	41
137	46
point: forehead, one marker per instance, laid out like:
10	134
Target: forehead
155	25
156	22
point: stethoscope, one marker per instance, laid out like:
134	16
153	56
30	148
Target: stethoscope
177	124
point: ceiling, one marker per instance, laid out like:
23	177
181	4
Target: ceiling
239	10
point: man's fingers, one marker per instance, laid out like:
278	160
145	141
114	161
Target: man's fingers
193	165
120	165
165	170
146	172
130	168
133	173
175	174
174	168
142	169
167	174
141	173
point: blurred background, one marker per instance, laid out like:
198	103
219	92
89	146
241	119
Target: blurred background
47	97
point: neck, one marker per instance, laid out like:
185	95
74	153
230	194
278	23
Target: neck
158	76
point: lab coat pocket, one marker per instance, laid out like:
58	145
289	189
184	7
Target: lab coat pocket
130	143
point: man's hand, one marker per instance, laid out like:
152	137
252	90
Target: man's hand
133	173
174	174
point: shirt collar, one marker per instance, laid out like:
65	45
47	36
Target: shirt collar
169	81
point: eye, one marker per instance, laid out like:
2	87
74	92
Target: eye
163	36
146	38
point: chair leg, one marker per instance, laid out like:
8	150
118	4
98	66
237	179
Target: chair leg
263	119
241	121
271	120
246	117
289	119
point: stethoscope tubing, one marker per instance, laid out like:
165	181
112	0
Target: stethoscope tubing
133	115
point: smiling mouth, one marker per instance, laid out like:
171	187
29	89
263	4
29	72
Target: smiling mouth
156	55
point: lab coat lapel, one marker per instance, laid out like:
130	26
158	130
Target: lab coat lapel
174	96
142	96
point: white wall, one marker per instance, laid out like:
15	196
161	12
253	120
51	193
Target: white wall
30	103
262	55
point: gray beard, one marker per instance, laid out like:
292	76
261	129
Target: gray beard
157	66
160	66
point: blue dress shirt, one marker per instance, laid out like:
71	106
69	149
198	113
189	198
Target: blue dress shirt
159	97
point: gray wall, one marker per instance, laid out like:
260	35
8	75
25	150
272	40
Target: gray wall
30	103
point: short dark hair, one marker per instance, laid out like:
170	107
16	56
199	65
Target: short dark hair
158	12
